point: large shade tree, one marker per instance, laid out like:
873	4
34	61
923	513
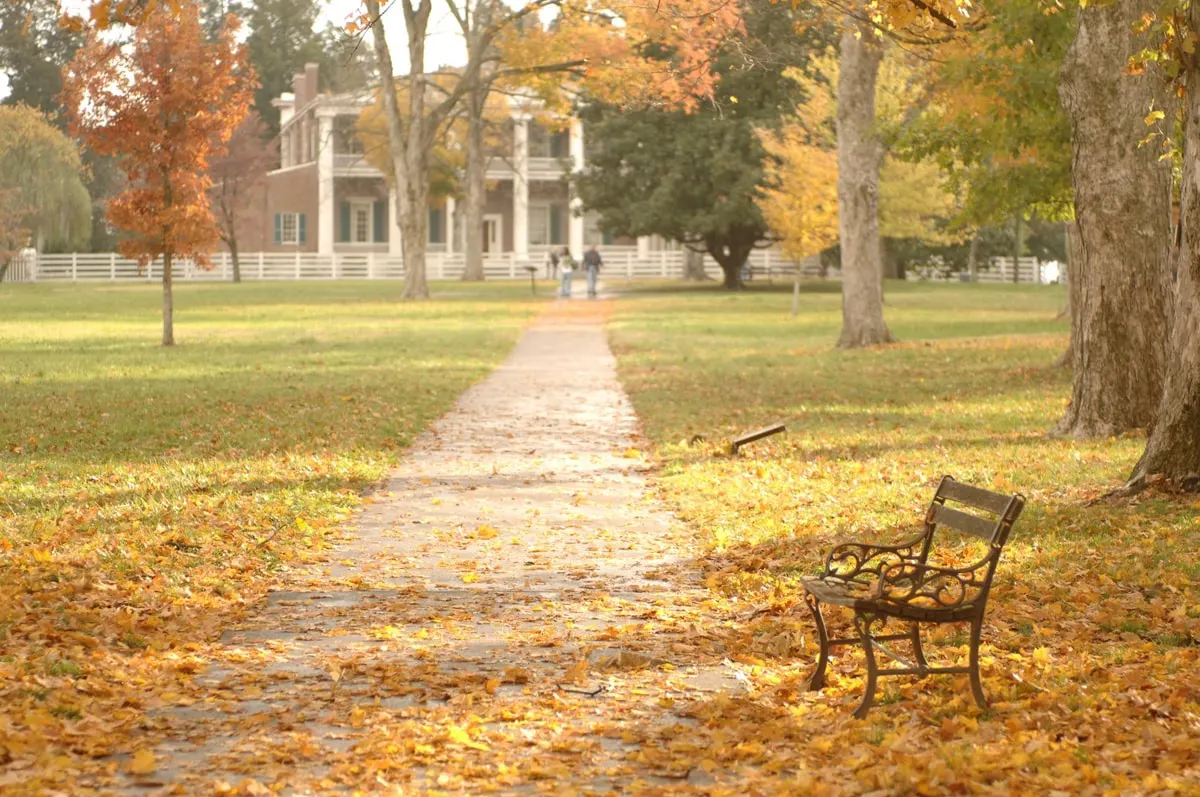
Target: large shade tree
694	175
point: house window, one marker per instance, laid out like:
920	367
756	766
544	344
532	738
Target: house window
346	140
289	229
592	233
546	224
360	222
539	225
436	233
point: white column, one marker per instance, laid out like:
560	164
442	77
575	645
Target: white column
325	208
394	239
521	187
575	225
643	247
450	205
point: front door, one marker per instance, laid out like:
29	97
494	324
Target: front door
491	233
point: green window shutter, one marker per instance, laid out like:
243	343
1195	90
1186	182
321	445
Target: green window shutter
381	225
606	238
435	226
278	229
555	224
300	227
345	225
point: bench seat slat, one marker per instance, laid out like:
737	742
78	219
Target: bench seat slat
969	524
975	496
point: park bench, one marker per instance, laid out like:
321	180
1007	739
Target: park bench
882	582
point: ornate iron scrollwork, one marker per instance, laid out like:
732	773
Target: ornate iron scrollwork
851	561
932	587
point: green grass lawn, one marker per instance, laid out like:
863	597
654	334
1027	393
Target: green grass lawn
1096	608
145	492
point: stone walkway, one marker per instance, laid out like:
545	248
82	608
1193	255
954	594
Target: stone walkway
513	613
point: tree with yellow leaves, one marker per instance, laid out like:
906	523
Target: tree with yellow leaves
800	198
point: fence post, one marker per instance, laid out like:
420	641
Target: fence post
370	265
662	265
512	265
297	264
74	267
112	266
629	266
260	265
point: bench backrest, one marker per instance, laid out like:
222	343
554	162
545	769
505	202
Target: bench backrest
988	516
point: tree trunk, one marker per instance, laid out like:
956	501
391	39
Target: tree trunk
411	143
1123	215
860	156
235	258
731	259
1067	358
893	269
476	186
693	265
168	303
973	258
1173	449
1016	250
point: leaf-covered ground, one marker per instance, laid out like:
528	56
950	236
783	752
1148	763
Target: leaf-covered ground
147	496
1092	631
511	615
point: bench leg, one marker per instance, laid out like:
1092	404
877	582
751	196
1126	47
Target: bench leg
918	651
863	623
976	683
817	681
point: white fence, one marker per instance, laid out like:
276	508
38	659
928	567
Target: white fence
998	269
618	263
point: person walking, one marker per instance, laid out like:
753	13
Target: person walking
551	264
568	266
592	262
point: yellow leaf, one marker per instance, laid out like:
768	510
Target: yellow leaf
459	735
470	578
577	671
486	532
143	762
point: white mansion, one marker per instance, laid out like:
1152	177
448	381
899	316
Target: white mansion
327	199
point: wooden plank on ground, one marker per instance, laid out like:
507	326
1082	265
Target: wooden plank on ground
757	434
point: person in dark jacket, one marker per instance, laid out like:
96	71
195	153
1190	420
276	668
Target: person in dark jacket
551	264
592	263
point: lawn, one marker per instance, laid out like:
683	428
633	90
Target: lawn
1091	639
147	494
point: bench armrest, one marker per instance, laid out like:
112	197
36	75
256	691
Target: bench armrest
850	561
915	583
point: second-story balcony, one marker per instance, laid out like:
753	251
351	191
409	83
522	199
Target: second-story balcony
347	164
537	169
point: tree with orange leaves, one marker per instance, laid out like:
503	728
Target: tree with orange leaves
163	104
